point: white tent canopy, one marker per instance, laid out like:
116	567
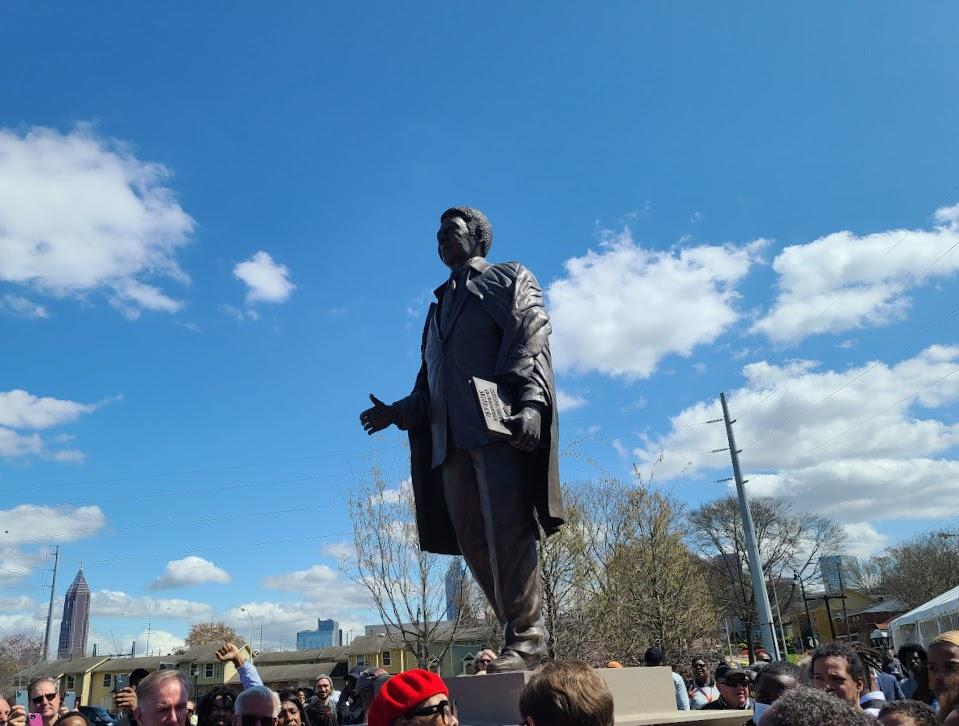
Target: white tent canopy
922	624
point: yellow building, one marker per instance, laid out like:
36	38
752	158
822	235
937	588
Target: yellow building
855	602
388	652
104	676
72	674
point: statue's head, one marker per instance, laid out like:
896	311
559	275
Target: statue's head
464	232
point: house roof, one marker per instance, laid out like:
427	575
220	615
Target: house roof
290	672
394	639
57	668
202	654
126	665
310	655
886	606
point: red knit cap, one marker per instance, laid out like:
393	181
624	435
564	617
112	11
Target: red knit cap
402	693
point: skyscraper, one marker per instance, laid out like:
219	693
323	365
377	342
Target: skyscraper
839	572
327	634
76	619
455	575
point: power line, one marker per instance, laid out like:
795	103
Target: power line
208	470
870	418
893	296
874	364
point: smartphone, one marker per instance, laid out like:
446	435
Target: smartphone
36	719
22	699
70	700
122	681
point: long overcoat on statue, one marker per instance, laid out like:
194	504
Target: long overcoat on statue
511	296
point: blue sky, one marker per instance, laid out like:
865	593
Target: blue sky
217	237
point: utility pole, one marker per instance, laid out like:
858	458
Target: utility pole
760	596
779	614
53	591
805	602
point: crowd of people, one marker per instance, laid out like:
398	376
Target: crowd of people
834	684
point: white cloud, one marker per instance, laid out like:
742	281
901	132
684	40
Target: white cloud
114	603
267	281
867	272
568	402
32	524
862	540
22	410
339	550
82	214
190	570
316	576
851	444
619	311
21	307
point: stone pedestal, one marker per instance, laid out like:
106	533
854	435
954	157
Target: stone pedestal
641	697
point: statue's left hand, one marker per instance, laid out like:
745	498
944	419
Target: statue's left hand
525	425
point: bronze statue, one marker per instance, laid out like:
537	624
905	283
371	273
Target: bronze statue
477	493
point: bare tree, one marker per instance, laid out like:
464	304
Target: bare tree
212	632
649	587
405	584
18	651
789	541
921	568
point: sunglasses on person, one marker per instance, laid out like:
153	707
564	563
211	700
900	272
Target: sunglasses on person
444	708
50	697
248	719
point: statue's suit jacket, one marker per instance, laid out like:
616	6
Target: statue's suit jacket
498	329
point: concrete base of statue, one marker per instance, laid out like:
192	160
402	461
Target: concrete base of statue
641	697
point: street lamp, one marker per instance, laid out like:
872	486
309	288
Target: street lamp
250	614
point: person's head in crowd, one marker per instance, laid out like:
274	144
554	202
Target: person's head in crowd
161	699
216	707
700	671
256	706
907	713
812	707
653	657
4	711
566	693
291	710
482	660
912	657
413	698
837	669
943	666
365	690
774	680
44	697
301	695
614	664
733	685
73	718
323	688
762	655
137	675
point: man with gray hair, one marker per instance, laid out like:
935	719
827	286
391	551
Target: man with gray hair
256	706
162	699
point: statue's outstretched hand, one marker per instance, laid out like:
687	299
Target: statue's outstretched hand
525	425
378	417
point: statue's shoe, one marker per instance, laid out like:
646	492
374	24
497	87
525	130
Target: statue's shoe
510	660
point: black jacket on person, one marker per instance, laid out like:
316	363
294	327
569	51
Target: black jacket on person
320	714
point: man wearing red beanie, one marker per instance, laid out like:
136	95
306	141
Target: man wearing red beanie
416	698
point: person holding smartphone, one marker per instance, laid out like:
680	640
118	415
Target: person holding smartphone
14	715
45	699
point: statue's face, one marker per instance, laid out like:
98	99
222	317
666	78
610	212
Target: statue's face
456	244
